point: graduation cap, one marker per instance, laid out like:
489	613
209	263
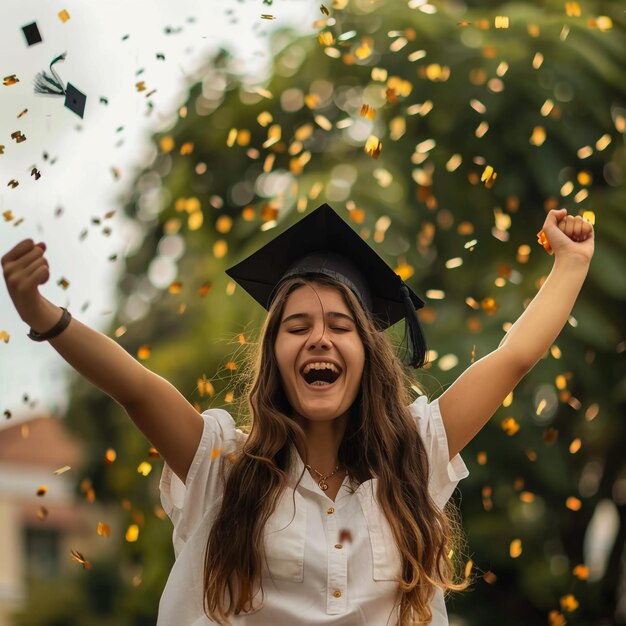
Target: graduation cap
322	243
32	34
45	84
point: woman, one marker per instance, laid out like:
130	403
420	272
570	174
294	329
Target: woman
331	510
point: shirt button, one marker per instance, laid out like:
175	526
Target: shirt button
330	510
338	546
337	593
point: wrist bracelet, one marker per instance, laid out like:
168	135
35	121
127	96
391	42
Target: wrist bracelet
57	329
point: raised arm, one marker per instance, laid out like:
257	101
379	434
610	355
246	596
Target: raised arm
474	397
164	416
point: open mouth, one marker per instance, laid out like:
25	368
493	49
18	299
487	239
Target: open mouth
320	374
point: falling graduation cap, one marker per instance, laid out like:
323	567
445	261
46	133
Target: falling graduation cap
32	34
53	85
323	243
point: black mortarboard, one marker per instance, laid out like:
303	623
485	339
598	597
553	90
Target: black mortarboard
323	243
75	100
32	34
53	86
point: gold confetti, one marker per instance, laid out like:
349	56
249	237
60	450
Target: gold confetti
220	248
215	453
63	283
538	136
17	135
581	572
589	216
326	38
569	603
324	10
42	490
481	458
63	15
4	335
104	530
109	456
373	146
367	111
22	113
13	183
573	504
144	468
501	21
132	533
489	175
175	287
7	81
79	558
186	148
42	513
62	470
267	16
510	426
515	549
143	352
141	85
167	143
556	619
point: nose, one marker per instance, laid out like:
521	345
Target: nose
318	338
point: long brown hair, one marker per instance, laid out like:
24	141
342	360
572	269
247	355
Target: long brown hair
381	440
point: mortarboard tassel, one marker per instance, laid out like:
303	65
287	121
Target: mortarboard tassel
45	84
53	86
416	353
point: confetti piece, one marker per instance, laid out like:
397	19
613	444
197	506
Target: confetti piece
141	85
7	81
324	10
132	533
367	111
144	468
573	504
109	456
581	572
143	352
17	135
104	530
515	549
267	16
4	335
589	216
63	15
501	21
543	240
215	453
373	146
325	38
62	470
345	536
489	175
63	283
42	490
154	453
569	603
538	136
556	619
79	558
42	513
510	426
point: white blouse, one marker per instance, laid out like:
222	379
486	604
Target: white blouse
327	562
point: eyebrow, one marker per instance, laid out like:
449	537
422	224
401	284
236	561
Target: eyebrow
307	316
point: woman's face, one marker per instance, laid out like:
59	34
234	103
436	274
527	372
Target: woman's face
319	352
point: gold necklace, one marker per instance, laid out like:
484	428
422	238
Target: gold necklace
322	484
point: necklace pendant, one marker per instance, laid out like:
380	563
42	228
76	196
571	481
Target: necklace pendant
322	485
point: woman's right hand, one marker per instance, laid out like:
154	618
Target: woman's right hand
25	268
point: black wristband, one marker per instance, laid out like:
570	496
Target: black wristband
57	329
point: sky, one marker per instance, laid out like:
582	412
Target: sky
87	165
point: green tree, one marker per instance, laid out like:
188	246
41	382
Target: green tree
543	103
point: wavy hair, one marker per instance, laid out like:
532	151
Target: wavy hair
381	440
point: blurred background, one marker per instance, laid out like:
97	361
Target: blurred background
443	132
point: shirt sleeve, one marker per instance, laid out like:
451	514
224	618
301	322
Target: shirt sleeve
187	503
445	474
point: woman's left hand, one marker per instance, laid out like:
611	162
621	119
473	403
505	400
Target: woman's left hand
569	235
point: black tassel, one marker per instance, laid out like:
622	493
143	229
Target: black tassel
47	85
416	348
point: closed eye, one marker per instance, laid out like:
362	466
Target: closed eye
337	329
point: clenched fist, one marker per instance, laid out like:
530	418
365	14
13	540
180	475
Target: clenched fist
566	234
25	268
